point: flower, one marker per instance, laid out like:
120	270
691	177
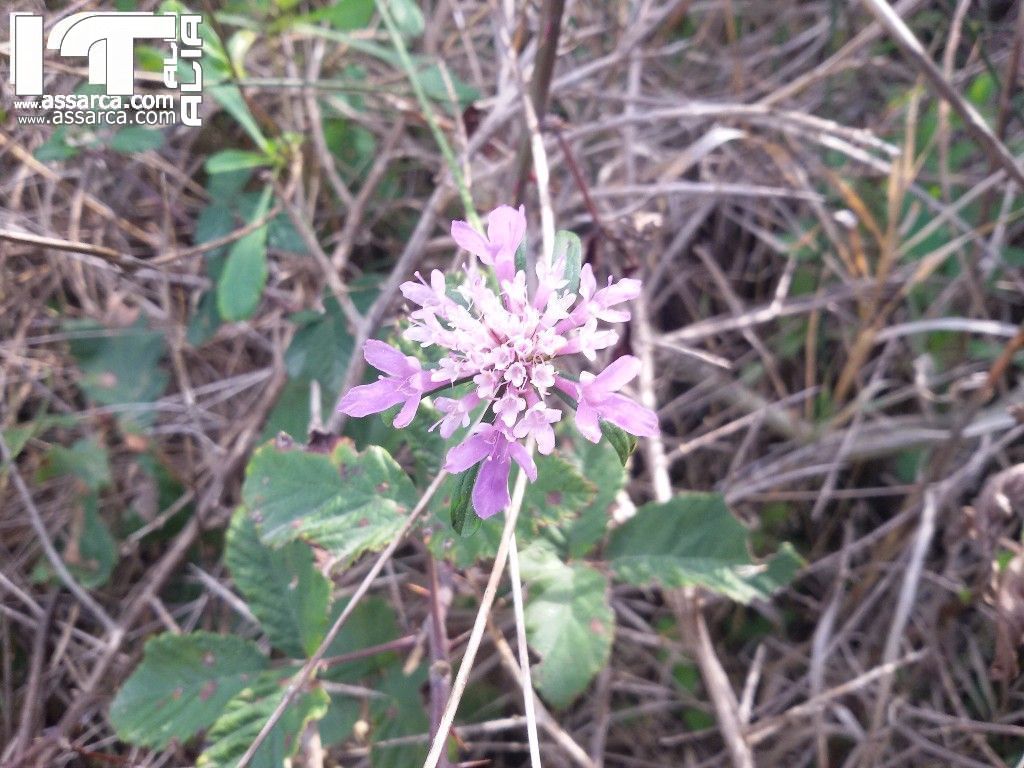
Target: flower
598	399
406	382
503	340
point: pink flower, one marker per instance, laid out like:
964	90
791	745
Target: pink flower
502	340
491	445
406	382
598	400
506	228
537	422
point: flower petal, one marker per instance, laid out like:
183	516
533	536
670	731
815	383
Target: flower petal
386	358
490	492
371	398
524	460
467	453
586	422
630	416
471	240
506	227
408	412
614	377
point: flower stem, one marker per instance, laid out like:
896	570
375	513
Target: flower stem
480	623
529	707
428	113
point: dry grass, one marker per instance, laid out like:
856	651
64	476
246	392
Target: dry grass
831	323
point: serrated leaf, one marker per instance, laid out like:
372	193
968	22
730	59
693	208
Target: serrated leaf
692	540
347	502
601	466
182	686
569	623
245	273
623	442
568	253
245	715
558	494
282	587
462	513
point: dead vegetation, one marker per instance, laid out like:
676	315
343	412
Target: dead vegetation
830	333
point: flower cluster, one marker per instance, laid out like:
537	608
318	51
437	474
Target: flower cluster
506	343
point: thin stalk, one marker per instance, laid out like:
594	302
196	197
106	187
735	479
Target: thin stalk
529	706
477	634
428	113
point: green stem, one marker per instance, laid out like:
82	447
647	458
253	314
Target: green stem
428	114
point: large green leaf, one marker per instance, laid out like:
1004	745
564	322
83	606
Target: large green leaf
600	464
347	502
282	586
569	623
182	686
692	540
557	497
245	715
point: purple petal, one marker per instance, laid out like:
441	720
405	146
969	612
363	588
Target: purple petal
371	398
471	240
626	289
506	227
587	282
630	416
467	453
545	440
586	422
614	377
386	358
524	459
490	493
405	416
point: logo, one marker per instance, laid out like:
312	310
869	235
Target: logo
107	41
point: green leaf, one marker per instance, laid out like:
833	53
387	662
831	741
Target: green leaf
558	495
283	588
623	442
692	540
230	98
569	623
229	160
245	715
372	622
465	521
135	138
86	460
121	368
347	502
95	552
568	254
182	686
408	17
245	274
399	712
601	465
345	15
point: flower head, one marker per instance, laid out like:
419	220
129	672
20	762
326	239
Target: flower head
505	344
